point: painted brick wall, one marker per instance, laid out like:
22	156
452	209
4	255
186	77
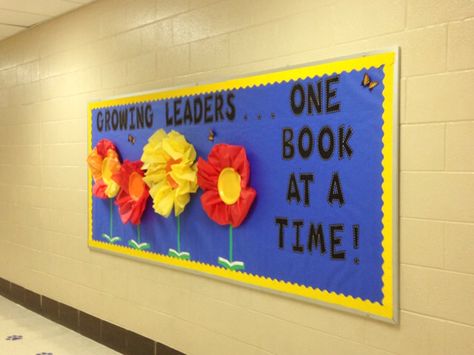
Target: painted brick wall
114	47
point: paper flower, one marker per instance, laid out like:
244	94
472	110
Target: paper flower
170	171
171	175
104	162
133	195
227	198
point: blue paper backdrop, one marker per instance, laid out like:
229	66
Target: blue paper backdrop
256	240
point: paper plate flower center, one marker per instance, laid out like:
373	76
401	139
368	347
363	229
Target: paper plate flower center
228	186
169	166
136	186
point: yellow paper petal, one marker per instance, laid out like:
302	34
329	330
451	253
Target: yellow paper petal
157	137
155	178
110	166
183	172
180	203
186	188
112	189
169	147
152	152
163	202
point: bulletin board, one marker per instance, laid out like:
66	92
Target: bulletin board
320	145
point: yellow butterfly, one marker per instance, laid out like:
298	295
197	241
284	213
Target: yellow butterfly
367	82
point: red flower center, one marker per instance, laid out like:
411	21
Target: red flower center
169	166
136	186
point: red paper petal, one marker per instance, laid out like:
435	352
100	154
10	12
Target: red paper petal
242	166
98	190
123	175
123	202
136	213
130	210
207	175
215	208
103	146
222	155
139	208
238	211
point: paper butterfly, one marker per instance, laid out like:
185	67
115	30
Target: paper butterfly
211	136
367	82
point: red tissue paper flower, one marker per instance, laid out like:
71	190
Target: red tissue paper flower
224	178
133	195
103	162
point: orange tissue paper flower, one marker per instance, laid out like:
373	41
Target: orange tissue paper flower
133	195
103	161
224	177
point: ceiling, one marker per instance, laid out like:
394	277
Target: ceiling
18	15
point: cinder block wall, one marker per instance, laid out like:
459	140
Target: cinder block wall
48	75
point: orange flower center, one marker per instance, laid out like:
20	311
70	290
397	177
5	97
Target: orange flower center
169	166
136	186
228	186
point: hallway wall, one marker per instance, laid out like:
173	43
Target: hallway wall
49	73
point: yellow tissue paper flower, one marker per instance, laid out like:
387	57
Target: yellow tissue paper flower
170	171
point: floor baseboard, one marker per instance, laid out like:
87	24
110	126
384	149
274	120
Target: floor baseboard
108	334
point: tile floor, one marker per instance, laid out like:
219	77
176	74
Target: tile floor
23	332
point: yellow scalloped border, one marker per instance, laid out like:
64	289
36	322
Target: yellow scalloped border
384	310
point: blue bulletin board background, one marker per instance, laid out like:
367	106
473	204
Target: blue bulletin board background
365	279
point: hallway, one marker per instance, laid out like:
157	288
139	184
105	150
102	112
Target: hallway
23	332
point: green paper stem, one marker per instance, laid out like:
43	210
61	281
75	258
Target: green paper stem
179	234
231	247
111	220
138	233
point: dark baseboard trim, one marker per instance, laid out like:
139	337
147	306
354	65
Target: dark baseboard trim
119	339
